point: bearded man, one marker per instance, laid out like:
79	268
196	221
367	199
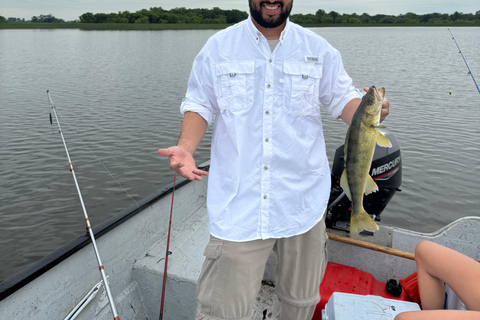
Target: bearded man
263	80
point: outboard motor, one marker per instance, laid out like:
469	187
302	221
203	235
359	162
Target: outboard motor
386	170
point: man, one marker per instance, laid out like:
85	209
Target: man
269	182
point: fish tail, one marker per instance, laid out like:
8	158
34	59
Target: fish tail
360	221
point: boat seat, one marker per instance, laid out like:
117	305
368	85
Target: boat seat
188	239
187	243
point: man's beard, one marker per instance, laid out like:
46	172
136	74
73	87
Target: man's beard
256	13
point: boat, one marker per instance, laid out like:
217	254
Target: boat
67	285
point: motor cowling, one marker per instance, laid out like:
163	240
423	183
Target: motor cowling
386	171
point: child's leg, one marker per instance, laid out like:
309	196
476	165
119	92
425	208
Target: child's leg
439	315
437	265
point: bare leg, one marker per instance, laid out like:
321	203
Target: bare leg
439	315
437	265
431	287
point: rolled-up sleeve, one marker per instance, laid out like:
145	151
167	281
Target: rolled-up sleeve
337	87
200	97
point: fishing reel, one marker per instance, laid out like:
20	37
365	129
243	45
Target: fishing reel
386	171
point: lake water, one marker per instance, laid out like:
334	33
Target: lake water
118	93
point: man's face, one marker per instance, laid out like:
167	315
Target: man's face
270	14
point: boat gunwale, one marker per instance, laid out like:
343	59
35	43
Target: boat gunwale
27	275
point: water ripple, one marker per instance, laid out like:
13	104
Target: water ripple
118	96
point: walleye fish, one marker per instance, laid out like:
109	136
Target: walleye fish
362	136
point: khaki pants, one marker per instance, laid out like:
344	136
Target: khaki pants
232	273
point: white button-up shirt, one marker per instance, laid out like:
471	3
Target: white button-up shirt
269	173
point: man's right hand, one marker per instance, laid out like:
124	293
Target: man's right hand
182	162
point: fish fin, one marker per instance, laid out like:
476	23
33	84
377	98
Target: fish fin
344	184
370	185
362	221
383	141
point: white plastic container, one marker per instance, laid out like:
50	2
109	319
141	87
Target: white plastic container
347	306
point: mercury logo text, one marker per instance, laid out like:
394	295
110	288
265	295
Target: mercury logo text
386	167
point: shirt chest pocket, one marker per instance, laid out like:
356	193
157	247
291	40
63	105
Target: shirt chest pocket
235	85
301	88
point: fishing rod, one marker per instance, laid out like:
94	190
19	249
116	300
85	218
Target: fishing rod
89	227
167	253
460	51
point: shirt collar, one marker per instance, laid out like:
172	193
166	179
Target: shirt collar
256	34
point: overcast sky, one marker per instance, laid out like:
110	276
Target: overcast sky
72	9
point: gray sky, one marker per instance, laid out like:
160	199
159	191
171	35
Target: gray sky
72	9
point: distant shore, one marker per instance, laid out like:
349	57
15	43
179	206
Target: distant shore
115	26
177	26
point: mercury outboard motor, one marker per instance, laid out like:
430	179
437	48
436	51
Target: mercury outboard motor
386	170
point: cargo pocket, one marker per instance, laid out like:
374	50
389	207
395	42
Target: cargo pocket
214	248
208	284
301	88
235	85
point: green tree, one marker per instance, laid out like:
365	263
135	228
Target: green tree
327	19
101	17
334	15
388	20
320	14
13	20
376	18
217	15
409	18
120	20
143	19
234	16
429	16
354	21
340	20
46	19
456	16
3	20
169	17
365	18
87	17
304	19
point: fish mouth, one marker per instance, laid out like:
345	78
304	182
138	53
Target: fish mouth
376	94
381	93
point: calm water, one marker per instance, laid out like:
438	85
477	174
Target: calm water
118	93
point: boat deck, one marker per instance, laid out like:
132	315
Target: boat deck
133	252
187	243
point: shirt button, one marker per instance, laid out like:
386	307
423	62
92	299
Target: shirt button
266	139
269	85
267	112
265	168
265	197
270	60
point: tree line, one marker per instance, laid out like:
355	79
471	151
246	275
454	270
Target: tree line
159	15
42	18
217	15
410	18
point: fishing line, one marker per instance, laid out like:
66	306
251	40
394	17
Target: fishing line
460	51
100	161
167	253
89	228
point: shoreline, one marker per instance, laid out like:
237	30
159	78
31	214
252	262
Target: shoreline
185	26
114	26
